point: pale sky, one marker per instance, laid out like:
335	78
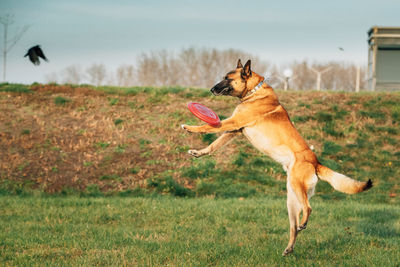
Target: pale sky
115	32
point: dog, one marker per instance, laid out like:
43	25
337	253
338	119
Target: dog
266	124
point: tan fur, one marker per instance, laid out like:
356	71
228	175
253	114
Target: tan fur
264	121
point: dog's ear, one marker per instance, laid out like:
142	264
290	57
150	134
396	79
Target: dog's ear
247	69
239	64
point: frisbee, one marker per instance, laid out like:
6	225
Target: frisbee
204	113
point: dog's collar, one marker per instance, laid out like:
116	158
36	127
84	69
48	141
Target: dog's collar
255	89
258	86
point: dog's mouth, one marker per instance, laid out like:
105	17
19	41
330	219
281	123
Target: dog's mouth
222	88
224	91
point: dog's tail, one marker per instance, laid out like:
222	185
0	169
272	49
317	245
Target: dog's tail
341	182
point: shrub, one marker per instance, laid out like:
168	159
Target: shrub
59	100
92	190
168	185
205	189
136	192
25	131
15	88
118	121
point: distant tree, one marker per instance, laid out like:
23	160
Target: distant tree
9	43
52	77
191	66
147	69
125	75
203	67
96	74
73	74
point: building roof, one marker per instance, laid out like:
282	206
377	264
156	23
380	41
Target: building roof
384	35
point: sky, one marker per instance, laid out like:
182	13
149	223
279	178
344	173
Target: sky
115	32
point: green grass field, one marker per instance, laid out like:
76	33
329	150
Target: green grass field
166	231
101	176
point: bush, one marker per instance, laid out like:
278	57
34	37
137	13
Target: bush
168	185
15	88
59	100
92	190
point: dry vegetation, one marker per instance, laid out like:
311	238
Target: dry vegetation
61	138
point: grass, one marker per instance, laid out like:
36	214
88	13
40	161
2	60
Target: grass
165	231
101	176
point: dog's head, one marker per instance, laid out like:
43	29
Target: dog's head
238	82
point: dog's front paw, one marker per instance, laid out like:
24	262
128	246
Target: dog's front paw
184	127
187	128
195	153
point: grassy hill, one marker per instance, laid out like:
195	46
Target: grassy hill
64	139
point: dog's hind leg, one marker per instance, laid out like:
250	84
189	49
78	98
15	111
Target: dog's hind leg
303	180
218	143
294	209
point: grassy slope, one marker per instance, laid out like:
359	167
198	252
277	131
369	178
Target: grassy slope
65	139
200	232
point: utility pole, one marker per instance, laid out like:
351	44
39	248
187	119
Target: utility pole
6	21
358	79
319	74
288	73
4	48
358	76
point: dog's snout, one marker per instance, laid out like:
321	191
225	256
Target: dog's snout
221	88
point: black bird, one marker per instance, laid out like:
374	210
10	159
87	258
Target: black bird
34	53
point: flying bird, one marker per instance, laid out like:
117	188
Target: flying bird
34	53
341	48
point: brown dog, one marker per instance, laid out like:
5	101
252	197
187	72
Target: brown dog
263	120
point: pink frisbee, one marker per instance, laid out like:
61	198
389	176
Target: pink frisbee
204	113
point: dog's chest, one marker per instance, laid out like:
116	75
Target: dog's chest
265	144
